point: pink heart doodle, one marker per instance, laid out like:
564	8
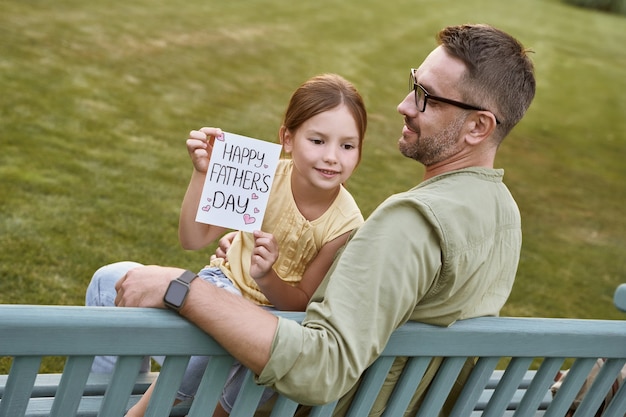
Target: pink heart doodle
206	208
208	199
220	137
254	196
265	165
248	219
256	210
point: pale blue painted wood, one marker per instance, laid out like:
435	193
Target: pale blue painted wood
248	398
214	376
502	336
478	380
537	390
19	384
124	375
54	330
600	387
71	386
89	407
167	384
618	405
371	382
114	332
46	385
513	374
441	386
575	379
324	410
514	401
284	407
407	384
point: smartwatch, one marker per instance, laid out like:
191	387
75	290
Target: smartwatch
178	289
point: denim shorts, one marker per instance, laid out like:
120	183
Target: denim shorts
215	276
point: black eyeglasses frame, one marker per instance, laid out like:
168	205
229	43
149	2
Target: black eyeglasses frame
414	85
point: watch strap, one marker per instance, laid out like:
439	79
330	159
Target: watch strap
187	277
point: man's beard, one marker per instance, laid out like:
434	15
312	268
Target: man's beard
430	150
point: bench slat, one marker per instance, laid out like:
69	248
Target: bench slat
618	405
323	410
19	384
372	380
407	384
514	401
172	372
483	376
513	374
215	375
248	398
71	386
284	407
89	407
124	375
566	394
46	385
441	386
601	386
537	393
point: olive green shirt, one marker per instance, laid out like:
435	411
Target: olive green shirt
445	250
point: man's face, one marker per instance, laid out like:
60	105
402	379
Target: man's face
435	135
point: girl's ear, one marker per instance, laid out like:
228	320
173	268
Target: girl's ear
286	139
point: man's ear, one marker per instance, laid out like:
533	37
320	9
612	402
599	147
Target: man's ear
285	139
482	125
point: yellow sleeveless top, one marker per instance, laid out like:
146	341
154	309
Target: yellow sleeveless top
299	240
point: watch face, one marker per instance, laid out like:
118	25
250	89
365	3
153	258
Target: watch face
176	293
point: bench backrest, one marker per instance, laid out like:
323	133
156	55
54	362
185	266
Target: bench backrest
28	333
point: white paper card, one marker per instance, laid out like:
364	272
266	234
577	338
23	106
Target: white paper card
238	182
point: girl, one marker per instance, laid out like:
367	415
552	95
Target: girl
309	215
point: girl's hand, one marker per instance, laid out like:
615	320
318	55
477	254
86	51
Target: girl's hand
200	146
223	246
264	254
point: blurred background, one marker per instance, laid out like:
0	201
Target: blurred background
97	99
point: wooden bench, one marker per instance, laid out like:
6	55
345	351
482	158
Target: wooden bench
532	350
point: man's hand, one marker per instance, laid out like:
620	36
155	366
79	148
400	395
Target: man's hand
145	286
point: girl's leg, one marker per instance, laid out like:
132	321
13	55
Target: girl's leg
101	290
197	364
187	390
231	390
139	409
101	293
192	378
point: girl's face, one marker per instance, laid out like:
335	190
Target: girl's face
325	148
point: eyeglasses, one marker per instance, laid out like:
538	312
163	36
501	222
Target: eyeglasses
422	96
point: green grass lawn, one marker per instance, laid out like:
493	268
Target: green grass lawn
97	98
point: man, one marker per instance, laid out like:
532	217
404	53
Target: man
445	250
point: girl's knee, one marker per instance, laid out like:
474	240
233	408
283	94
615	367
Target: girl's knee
101	289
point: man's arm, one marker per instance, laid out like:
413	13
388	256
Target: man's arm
373	287
242	328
